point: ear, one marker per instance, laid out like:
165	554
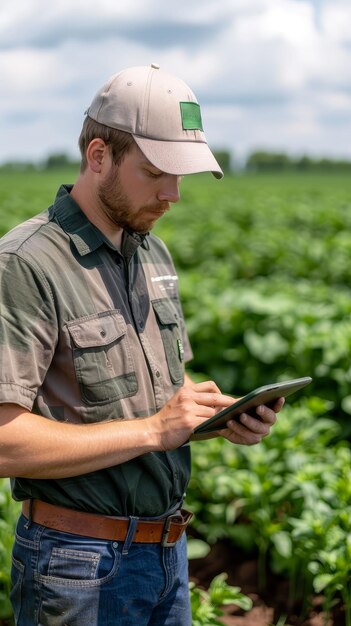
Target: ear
97	151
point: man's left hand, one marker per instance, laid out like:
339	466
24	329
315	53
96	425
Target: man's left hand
249	430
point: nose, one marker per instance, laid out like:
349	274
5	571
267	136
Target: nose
169	190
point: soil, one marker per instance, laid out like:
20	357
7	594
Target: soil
269	606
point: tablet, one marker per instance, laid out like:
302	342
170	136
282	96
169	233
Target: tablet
262	395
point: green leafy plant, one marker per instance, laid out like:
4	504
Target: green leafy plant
9	511
289	498
206	605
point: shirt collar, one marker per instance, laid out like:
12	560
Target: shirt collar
83	234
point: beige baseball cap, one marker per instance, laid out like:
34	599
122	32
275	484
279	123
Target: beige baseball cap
162	114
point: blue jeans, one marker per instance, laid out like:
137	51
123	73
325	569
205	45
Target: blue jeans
60	579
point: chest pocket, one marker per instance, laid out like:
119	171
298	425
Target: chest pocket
102	357
169	325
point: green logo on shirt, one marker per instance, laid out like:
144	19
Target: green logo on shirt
180	349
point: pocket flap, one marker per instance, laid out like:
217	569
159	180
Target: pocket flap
97	330
165	311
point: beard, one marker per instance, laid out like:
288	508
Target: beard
116	206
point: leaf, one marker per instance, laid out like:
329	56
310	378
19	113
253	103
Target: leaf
266	347
283	544
221	593
197	549
322	581
346	404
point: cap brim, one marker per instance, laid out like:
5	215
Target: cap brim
179	157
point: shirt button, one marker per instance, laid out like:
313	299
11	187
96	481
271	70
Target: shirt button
158	374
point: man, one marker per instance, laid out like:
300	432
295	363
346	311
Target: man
96	411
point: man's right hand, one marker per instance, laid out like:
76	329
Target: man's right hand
189	407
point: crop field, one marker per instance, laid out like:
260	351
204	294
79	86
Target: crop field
264	264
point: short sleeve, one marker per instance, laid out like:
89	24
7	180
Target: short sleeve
28	330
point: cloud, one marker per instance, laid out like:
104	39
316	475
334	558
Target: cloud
165	34
336	21
63	22
266	72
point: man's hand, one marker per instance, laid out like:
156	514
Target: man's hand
249	429
193	403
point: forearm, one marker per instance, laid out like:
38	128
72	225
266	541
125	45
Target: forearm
35	447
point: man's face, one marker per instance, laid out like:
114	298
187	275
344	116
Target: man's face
135	194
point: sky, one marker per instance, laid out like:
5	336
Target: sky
268	74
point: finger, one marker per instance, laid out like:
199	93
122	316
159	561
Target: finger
238	433
213	399
204	412
255	425
278	405
266	414
207	385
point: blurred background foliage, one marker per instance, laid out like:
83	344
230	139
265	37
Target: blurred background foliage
264	265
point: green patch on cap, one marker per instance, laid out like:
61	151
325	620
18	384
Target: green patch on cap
191	116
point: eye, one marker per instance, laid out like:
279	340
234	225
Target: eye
153	174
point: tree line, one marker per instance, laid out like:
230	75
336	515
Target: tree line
259	161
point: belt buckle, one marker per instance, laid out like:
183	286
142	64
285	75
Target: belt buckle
166	530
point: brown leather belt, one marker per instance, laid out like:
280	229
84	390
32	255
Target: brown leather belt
166	531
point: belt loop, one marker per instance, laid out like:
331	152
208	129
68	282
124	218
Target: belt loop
30	513
130	534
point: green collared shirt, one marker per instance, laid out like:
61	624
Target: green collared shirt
88	334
